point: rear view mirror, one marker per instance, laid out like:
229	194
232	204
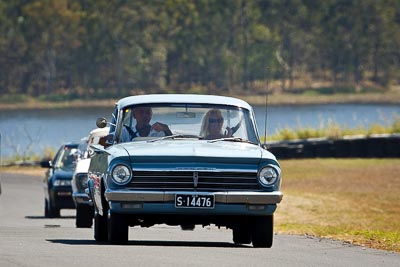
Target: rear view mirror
101	122
186	115
233	113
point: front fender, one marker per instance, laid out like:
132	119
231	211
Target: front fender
94	186
89	191
96	174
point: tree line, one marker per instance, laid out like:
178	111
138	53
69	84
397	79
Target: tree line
108	48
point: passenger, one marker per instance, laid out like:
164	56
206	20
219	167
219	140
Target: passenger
211	127
143	128
69	160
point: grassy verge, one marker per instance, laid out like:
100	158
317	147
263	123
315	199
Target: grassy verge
332	130
354	200
28	170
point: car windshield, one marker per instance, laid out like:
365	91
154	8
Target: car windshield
67	157
82	149
180	121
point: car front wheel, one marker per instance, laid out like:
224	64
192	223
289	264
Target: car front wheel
117	228
50	211
100	227
46	209
263	231
241	233
84	216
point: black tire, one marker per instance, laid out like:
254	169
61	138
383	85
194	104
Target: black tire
188	227
118	229
263	231
84	216
51	212
241	233
46	211
100	221
100	227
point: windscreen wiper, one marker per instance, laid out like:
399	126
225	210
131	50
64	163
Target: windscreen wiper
174	136
232	139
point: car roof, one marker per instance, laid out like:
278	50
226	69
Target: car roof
182	98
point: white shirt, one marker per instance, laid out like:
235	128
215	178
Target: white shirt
126	137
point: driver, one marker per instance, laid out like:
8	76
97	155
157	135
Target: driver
143	128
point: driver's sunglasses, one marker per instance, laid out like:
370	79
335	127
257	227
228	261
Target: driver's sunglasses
211	120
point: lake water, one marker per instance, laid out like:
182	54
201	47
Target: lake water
35	130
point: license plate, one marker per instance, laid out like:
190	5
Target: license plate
194	201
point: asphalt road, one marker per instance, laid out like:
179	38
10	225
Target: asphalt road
29	239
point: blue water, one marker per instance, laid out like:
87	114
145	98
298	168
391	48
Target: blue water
318	116
32	131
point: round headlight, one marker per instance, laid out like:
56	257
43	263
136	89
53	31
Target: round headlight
83	180
121	174
268	175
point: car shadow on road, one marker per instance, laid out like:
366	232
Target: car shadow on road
35	217
148	243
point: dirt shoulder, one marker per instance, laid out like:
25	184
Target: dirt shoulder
34	170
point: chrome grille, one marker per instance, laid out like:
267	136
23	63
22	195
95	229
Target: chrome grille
184	180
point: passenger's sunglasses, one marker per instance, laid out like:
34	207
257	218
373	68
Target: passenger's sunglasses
211	120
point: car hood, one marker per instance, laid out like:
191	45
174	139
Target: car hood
63	174
82	166
195	151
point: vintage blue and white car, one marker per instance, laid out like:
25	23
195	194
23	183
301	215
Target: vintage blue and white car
84	209
184	160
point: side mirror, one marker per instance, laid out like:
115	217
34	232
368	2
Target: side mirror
45	164
101	122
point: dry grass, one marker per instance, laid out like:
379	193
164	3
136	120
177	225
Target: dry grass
355	200
36	171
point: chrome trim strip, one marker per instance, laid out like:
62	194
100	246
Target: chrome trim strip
192	170
220	197
81	195
80	198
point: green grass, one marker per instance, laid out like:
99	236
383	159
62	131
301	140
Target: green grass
48	153
332	130
341	90
14	98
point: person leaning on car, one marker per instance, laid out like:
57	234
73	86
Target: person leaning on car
143	128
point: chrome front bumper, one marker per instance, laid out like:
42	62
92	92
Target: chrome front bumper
254	198
81	198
